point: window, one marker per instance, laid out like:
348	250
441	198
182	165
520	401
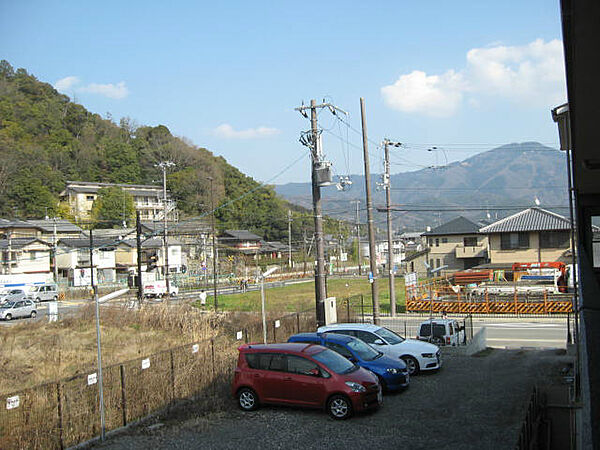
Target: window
89	198
278	363
470	241
412	266
259	361
554	239
437	262
369	338
335	361
339	349
438	330
437	242
31	256
444	240
431	263
430	241
511	241
301	366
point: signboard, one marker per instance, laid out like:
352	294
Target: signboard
277	324
12	402
344	257
92	378
145	363
83	277
239	335
52	311
410	281
371	277
195	348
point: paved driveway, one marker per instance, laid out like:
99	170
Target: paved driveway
473	402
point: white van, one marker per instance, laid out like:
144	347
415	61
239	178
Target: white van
445	332
43	292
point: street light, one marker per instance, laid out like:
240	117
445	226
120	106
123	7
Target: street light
262	299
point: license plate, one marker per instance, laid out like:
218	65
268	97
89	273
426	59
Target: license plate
379	397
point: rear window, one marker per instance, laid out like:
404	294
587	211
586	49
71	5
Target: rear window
438	330
266	361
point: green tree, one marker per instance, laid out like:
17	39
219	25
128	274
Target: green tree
112	207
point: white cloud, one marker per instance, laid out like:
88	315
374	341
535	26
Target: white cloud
72	84
116	91
65	84
433	95
228	132
531	75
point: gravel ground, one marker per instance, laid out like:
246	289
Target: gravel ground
473	402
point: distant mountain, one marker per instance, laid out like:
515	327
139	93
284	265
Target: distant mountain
505	179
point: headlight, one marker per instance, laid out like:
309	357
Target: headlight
428	355
392	370
356	387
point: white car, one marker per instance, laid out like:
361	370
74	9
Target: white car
445	332
418	356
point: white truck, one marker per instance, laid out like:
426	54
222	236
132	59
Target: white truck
158	289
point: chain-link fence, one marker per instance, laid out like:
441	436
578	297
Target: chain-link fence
66	412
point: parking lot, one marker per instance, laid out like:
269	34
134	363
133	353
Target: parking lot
473	402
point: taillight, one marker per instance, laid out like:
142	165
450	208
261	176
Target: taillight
448	340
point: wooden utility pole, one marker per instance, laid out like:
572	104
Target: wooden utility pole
372	255
164	165
138	241
290	239
387	184
358	237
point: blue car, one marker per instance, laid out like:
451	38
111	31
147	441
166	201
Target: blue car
393	374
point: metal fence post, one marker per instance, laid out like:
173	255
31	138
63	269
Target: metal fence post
348	309
212	356
298	322
362	309
60	416
405	328
172	375
123	395
274	333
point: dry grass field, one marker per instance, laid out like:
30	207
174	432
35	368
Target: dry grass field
36	352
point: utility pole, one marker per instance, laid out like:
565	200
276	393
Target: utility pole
98	342
214	243
387	184
138	241
304	251
311	140
54	242
164	165
290	239
372	255
9	248
358	236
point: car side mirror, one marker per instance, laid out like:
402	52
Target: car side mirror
378	342
314	372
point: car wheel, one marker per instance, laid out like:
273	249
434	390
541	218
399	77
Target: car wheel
247	399
339	407
411	364
8	316
33	314
37	300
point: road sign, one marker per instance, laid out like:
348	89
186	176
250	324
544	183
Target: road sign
371	277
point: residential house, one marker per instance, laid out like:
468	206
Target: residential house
48	230
416	262
532	235
381	251
73	260
412	240
24	255
240	241
194	234
126	255
148	199
456	244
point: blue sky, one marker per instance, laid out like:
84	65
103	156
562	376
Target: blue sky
461	76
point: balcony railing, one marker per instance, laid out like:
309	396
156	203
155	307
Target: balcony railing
478	251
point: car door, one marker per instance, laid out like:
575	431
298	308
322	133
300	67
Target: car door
305	385
270	377
19	309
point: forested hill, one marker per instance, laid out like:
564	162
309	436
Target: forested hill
46	139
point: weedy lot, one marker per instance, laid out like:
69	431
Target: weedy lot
473	402
36	352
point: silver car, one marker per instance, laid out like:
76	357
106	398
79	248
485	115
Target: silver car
21	308
13	295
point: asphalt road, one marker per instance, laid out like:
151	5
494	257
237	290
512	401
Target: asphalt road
501	332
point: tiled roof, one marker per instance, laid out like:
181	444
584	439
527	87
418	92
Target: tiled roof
242	235
108	244
62	226
531	219
460	225
20	242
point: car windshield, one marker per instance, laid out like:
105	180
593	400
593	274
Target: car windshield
7	305
389	336
334	361
364	351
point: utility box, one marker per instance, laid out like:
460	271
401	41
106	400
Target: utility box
323	173
330	310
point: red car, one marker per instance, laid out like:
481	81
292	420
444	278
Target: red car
304	375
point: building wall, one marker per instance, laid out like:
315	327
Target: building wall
443	248
531	254
33	258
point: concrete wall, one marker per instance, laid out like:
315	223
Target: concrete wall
531	254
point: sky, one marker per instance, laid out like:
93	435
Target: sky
463	76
